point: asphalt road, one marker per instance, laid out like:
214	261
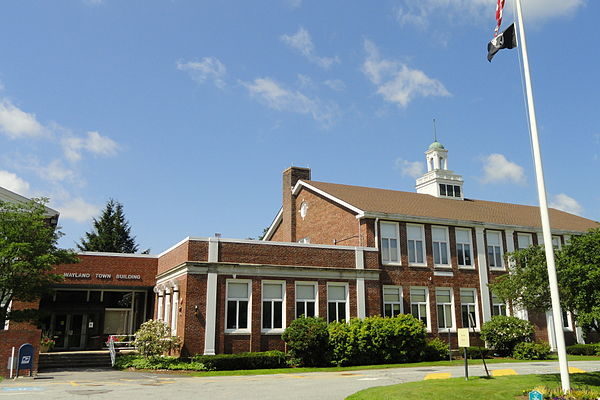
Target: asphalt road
124	385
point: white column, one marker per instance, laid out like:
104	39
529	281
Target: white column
174	310
551	331
579	335
159	313
361	305
483	275
167	316
210	316
213	249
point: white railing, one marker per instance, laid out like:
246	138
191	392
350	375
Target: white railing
112	351
116	342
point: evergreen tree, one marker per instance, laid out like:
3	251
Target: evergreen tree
111	233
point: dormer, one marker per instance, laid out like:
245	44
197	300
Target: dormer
439	181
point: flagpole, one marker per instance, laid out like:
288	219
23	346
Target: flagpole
539	172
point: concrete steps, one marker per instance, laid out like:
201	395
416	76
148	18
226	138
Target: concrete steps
74	360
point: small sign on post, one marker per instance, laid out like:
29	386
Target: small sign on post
535	395
464	342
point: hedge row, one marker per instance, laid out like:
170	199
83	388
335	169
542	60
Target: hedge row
592	349
229	362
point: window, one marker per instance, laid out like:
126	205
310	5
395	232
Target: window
556	243
392	301
494	249
440	245
390	253
498	306
468	308
449	190
567	321
463	248
524	240
419	304
442	189
443	300
416	249
4	323
337	301
238	302
306	299
272	305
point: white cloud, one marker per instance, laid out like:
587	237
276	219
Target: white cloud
16	123
302	42
279	98
420	12
12	182
566	203
78	210
210	68
305	81
335	84
414	169
93	143
396	82
498	169
56	172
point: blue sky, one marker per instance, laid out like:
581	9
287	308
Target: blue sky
187	112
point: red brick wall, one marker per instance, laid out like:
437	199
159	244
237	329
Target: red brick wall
175	257
146	267
15	337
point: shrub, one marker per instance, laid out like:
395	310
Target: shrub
503	333
229	362
168	363
531	351
377	340
154	339
307	341
435	350
475	352
557	393
590	349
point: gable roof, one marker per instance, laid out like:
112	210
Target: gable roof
9	196
383	202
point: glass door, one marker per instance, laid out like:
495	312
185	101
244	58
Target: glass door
59	329
76	331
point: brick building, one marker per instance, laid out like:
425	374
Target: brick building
334	251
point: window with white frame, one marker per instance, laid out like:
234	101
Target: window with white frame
464	248
337	302
494	249
238	304
390	250
273	294
524	240
416	244
443	300
556	243
392	301
498	306
439	236
419	304
468	308
567	320
306	299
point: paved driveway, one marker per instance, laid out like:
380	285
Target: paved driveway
123	385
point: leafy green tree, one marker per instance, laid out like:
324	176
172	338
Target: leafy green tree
111	232
28	253
154	339
578	272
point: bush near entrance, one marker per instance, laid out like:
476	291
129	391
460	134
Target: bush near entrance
591	349
307	341
154	339
531	351
504	333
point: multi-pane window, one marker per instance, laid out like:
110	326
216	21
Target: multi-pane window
556	242
449	190
418	304
306	299
524	240
468	308
272	305
439	237
443	300
337	299
463	248
416	248
390	251
494	249
392	301
238	296
498	306
566	320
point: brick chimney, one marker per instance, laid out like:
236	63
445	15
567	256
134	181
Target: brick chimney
290	177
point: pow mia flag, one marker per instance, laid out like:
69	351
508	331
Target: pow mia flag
505	40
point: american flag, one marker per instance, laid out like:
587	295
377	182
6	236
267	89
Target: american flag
499	8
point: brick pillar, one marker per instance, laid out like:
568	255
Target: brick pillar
290	177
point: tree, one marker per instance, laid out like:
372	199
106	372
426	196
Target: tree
28	254
578	273
111	233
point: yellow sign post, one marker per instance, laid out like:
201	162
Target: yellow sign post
464	342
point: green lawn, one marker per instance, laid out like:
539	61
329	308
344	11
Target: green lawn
385	366
500	388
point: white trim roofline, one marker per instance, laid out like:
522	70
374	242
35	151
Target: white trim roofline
12	197
349	206
276	221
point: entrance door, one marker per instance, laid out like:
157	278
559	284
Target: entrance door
59	330
76	331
